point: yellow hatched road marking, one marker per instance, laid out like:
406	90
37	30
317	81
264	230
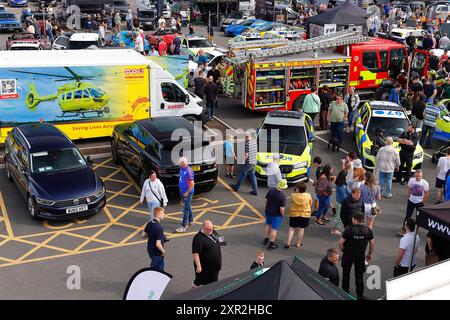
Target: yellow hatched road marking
42	244
5	216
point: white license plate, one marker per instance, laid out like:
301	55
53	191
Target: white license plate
77	209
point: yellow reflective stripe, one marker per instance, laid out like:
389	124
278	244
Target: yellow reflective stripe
368	75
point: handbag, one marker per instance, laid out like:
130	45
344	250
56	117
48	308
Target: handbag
160	201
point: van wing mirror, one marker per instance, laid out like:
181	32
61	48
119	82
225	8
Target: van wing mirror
187	100
89	161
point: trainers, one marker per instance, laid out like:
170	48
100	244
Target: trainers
404	182
254	193
266	241
180	230
232	186
190	224
389	195
272	246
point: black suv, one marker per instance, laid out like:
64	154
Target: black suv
147	145
51	173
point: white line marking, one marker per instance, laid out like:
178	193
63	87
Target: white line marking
224	123
214	134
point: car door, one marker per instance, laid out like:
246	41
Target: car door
172	98
18	165
138	142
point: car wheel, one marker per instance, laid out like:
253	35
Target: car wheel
115	155
31	207
8	173
298	103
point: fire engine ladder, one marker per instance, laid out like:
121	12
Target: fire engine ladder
340	38
239	43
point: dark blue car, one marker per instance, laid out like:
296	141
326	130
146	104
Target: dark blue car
8	21
52	175
18	3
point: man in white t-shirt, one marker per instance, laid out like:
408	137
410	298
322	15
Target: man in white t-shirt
418	192
406	249
139	43
442	168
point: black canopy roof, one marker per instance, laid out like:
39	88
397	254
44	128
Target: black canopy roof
289	279
344	14
436	219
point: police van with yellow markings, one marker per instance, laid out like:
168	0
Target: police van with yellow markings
389	117
291	135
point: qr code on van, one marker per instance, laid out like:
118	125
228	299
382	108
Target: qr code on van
8	86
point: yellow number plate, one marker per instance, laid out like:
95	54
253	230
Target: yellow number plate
195	168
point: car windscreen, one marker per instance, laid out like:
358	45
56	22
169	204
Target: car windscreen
7	16
200	43
146	14
74	45
57	160
287	135
393	127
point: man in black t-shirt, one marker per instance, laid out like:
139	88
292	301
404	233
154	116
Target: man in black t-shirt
155	245
207	255
408	142
353	244
328	268
275	210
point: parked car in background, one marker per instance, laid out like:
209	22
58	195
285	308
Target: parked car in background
51	174
147	144
148	19
9	22
193	43
238	28
232	18
166	35
18	3
76	41
122	7
24	37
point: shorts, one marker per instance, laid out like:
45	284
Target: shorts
368	210
274	221
440	184
299	222
229	160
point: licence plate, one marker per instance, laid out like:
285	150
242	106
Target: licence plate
195	168
77	209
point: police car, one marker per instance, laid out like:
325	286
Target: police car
442	131
290	134
392	119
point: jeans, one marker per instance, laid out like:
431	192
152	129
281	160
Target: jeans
418	123
360	268
386	177
337	131
427	133
157	263
210	107
151	206
406	159
410	209
323	120
351	114
336	221
187	210
324	204
247	170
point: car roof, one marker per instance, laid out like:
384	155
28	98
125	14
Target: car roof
385	105
286	118
43	137
84	36
162	128
194	36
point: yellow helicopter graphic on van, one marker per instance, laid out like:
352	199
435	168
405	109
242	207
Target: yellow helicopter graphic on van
77	98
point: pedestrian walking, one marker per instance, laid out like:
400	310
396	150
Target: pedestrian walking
442	168
129	20
353	244
325	100
207	255
299	214
431	114
154	231
275	210
230	156
342	192
186	186
407	249
350	206
117	21
352	100
387	162
259	260
210	93
370	193
418	192
139	42
199	84
210	31
408	142
337	115
176	45
154	193
324	189
328	268
273	172
311	104
248	167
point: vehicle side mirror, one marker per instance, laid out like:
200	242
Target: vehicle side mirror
89	161
312	137
186	99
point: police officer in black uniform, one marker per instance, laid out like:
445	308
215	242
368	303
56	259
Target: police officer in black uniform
408	142
353	244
